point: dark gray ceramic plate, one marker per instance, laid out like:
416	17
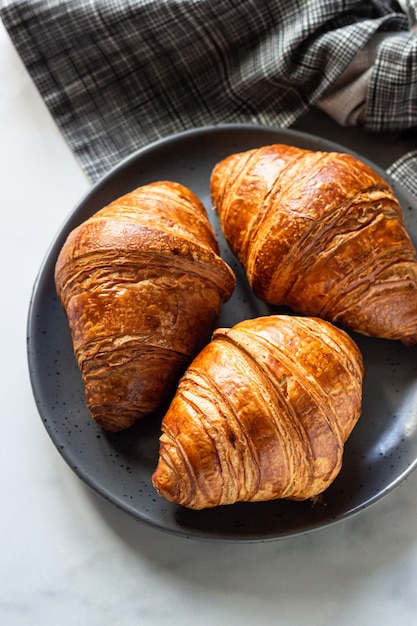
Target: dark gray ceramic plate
381	452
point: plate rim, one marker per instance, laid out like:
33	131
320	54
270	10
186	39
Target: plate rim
50	254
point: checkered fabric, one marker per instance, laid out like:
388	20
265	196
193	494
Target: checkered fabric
405	171
118	74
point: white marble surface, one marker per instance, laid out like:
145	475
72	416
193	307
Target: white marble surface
69	558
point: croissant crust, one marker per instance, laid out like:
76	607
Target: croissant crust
322	233
261	413
141	282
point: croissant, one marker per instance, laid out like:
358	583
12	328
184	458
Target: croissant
321	233
141	283
261	413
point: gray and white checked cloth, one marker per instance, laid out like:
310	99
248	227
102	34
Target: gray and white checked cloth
119	74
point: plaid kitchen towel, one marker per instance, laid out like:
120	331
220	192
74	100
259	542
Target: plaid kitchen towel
405	171
118	74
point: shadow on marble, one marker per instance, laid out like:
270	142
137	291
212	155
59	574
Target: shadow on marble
342	556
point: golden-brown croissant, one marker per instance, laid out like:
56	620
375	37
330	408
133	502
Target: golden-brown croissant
141	282
261	413
322	233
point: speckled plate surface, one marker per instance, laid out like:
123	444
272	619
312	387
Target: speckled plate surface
379	455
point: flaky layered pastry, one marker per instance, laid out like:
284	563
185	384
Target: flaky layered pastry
142	283
322	233
261	413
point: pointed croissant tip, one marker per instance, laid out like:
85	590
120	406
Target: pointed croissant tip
165	485
220	174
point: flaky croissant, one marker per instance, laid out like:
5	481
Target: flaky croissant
261	413
322	233
141	282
